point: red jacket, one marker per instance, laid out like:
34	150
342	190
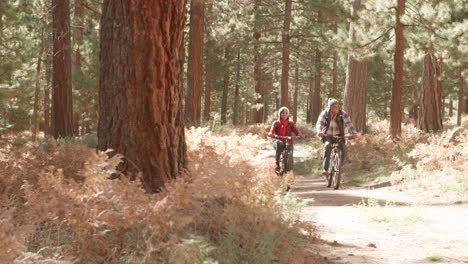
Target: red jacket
275	128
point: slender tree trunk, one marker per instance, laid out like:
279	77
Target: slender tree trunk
76	66
398	63
450	106
311	101
195	61
296	90
62	75
277	101
266	100
47	130
37	90
316	104
335	75
235	109
140	95
335	70
259	113
225	83
461	95
285	55
429	116
355	95
208	79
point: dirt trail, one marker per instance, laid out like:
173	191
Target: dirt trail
387	228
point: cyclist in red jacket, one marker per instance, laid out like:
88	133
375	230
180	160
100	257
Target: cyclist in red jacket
282	127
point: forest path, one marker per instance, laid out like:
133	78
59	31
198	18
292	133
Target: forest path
358	225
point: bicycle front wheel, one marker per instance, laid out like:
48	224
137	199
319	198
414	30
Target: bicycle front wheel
336	176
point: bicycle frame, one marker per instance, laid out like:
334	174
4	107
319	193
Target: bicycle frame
286	157
334	170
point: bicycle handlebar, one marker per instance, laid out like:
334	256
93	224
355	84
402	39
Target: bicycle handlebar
340	137
287	137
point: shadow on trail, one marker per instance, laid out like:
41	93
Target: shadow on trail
314	189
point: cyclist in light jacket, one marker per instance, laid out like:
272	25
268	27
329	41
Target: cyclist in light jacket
282	127
332	122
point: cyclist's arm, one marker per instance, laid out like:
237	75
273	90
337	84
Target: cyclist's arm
321	125
348	124
272	133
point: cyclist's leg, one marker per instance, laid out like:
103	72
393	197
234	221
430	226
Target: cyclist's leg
278	145
326	154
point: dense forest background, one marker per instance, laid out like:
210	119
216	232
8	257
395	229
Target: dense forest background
177	98
245	59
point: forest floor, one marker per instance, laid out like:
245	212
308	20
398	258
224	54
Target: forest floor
363	223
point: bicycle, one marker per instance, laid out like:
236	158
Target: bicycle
334	170
286	162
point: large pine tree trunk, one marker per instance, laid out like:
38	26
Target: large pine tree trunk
398	63
62	75
296	90
140	96
355	94
430	115
235	108
461	95
37	91
316	104
285	55
208	78
225	83
195	62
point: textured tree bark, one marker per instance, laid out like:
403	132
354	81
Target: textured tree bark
225	83
62	75
195	62
316	103
235	108
461	95
429	114
355	94
37	91
140	95
285	55
296	90
398	63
